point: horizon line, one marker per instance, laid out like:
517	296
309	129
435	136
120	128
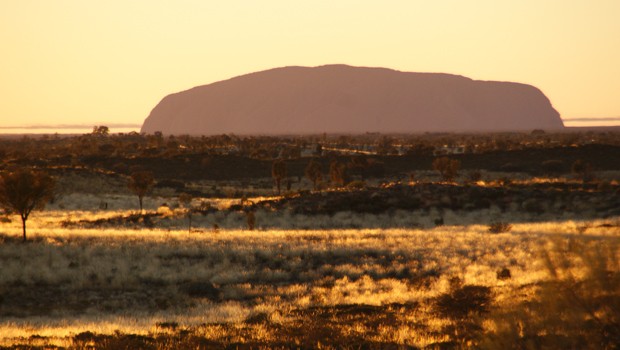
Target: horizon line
595	119
136	125
72	126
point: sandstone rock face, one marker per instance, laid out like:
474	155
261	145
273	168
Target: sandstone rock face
345	99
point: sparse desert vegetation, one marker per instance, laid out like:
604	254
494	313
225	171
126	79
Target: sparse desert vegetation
370	251
416	287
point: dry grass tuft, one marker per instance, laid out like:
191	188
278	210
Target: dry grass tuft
500	227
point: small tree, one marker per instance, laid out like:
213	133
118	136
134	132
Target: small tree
250	219
359	164
23	191
278	172
338	173
448	168
318	150
101	130
314	173
141	183
185	199
583	170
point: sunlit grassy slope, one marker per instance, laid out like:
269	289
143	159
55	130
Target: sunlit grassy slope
233	286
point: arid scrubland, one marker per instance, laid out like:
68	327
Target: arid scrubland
507	252
305	287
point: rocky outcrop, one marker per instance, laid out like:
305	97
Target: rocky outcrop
344	99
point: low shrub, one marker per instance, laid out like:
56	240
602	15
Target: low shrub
500	227
553	166
474	176
356	185
503	274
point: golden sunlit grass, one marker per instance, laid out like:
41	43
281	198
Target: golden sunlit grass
296	286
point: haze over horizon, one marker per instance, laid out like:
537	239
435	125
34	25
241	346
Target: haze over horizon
71	62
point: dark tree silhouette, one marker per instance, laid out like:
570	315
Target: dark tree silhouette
318	150
278	171
250	219
141	183
185	199
583	170
360	165
447	168
101	130
338	173
313	173
24	190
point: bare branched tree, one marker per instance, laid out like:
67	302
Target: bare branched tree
583	170
278	172
448	168
141	183
314	173
338	173
185	199
24	190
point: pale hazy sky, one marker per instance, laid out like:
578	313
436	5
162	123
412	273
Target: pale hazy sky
88	62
